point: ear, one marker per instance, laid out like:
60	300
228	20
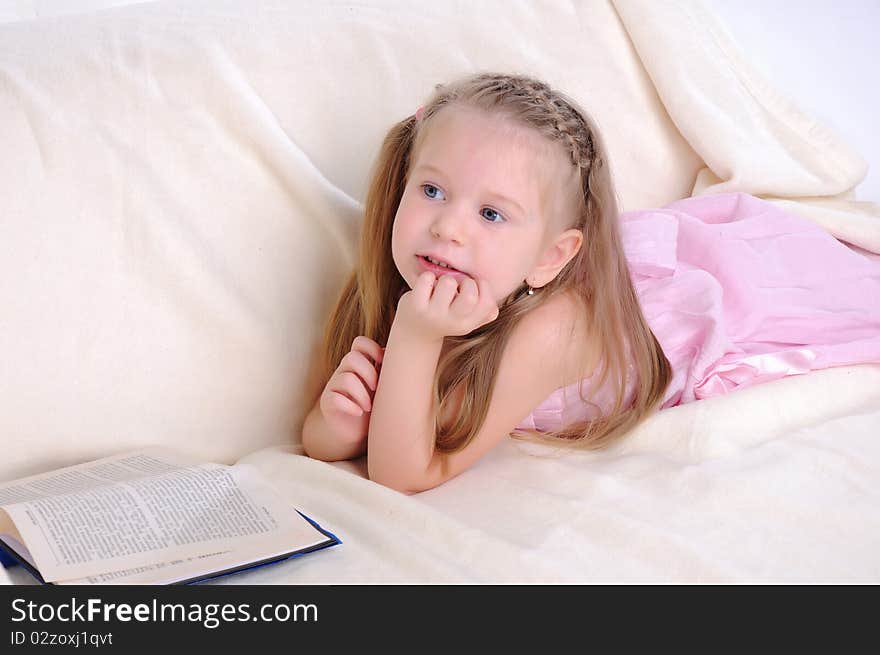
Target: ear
560	251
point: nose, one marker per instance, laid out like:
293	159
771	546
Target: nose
449	225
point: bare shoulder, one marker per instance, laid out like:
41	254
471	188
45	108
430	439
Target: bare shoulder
548	348
556	334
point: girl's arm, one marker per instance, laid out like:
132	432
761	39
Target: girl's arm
321	441
336	427
401	451
401	434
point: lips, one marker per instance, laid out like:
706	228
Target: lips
439	260
439	270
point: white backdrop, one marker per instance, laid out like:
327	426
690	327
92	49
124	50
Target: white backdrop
823	55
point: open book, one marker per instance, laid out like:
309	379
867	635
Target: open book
151	516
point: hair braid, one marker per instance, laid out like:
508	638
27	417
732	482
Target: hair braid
567	124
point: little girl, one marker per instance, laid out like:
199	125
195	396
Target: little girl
499	291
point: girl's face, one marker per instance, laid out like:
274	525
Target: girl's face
478	199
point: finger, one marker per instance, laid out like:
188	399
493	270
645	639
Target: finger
341	403
352	386
424	286
369	348
357	363
445	290
467	297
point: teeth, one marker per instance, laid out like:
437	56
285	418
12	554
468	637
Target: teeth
434	261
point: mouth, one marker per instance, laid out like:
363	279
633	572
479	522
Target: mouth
438	266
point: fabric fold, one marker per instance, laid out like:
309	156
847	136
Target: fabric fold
751	138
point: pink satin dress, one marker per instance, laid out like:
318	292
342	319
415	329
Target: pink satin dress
738	292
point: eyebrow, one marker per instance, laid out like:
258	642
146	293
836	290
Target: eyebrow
429	167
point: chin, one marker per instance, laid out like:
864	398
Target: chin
410	278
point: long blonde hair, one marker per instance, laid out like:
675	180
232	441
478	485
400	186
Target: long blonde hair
598	273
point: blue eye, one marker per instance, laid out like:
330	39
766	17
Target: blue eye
488	218
427	190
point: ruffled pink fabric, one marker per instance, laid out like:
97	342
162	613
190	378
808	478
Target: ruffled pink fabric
738	292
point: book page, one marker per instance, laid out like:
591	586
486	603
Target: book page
107	470
93	474
162	573
90	519
178	570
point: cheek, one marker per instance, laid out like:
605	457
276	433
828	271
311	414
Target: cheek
406	223
402	242
512	263
502	266
396	238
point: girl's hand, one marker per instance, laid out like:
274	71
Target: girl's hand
347	399
437	308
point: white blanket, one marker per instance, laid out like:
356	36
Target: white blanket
772	484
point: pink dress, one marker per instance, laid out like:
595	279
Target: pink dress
738	292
